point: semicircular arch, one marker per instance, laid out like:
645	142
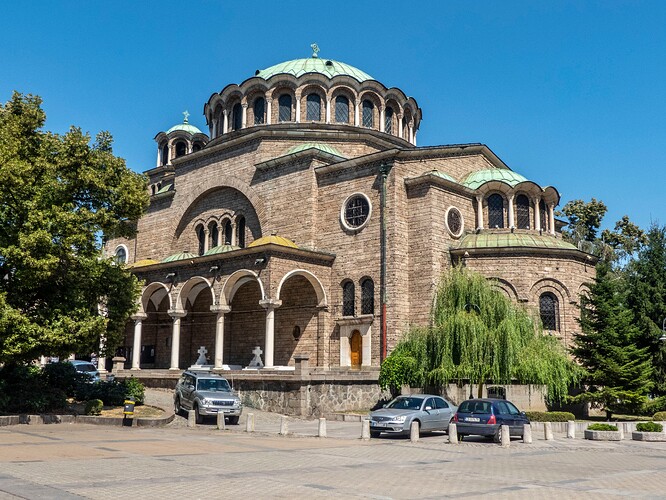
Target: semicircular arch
322	301
191	289
154	292
235	281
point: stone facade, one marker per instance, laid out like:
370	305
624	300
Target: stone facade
306	231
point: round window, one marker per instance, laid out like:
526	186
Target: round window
454	222
355	212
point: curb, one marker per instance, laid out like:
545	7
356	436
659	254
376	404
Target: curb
82	419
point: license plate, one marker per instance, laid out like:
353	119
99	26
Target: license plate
472	419
378	424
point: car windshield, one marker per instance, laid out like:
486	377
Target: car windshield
405	404
87	367
213	384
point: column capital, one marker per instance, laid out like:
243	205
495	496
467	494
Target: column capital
220	309
138	316
177	313
270	303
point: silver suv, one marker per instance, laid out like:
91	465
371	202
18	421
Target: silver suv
207	394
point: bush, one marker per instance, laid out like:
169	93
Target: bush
601	427
654	405
134	389
660	416
26	390
649	427
64	376
550	416
397	370
94	407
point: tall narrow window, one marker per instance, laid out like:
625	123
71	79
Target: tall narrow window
181	149
549	311
237	117
201	238
368	114
543	215
388	121
348	292
313	112
228	233
341	109
495	211
240	231
165	154
121	256
367	296
284	104
522	212
213	232
259	110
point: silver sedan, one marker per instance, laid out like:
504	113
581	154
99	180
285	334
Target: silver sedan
432	413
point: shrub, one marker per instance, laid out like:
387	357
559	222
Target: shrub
134	389
550	416
649	427
601	427
64	376
660	416
25	390
654	405
94	407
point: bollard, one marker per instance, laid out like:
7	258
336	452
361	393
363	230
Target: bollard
249	423
453	433
414	432
505	438
548	431
321	432
571	429
527	434
365	429
284	426
128	412
191	418
220	422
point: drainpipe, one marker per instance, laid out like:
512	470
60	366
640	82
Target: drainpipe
384	170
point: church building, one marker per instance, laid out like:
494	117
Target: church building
306	221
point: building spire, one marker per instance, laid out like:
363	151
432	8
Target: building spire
315	50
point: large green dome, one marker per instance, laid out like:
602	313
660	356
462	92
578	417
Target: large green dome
327	67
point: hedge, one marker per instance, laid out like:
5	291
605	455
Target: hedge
601	427
550	416
649	427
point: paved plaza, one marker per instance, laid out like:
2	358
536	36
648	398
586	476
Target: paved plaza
63	461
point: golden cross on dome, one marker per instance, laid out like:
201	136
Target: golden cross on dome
315	50
186	115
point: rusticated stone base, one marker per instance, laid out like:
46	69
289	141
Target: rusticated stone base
648	436
603	435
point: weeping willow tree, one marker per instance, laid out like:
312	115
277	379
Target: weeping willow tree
478	335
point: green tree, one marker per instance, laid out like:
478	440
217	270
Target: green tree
58	195
478	335
618	370
584	219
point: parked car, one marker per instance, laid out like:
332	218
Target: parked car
485	417
433	413
207	394
87	368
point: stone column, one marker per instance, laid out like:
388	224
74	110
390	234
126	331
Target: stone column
101	361
269	349
537	213
269	113
175	337
411	132
328	110
206	235
244	116
479	212
159	157
551	219
356	113
225	123
136	348
511	216
399	118
219	333
233	233
415	132
298	109
382	119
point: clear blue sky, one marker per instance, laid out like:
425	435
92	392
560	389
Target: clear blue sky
567	93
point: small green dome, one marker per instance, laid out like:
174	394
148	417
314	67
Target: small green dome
480	177
221	249
185	126
299	67
507	239
315	145
180	256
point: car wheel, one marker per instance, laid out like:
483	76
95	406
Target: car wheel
375	434
198	418
176	406
234	420
461	437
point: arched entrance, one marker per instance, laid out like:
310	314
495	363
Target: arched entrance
356	350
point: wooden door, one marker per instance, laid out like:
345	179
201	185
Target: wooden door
356	350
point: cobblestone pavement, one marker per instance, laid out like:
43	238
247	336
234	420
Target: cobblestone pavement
67	461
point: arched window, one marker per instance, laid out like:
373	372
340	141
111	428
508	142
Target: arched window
240	231
543	215
367	296
388	121
313	105
201	238
259	110
152	189
181	149
165	154
284	104
341	109
522	212
213	232
368	114
228	233
495	211
197	146
121	255
549	310
348	292
237	117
